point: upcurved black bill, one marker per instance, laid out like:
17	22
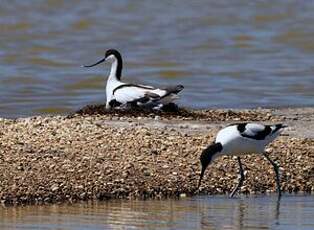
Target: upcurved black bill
100	61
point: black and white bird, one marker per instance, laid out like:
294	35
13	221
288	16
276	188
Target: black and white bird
120	94
241	139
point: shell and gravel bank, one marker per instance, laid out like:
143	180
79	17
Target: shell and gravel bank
91	155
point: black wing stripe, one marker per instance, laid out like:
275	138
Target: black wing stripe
261	135
143	100
131	85
240	126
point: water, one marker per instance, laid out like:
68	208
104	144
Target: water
226	53
215	212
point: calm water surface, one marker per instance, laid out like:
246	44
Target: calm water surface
217	212
226	53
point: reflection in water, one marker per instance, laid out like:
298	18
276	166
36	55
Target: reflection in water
225	53
277	210
203	212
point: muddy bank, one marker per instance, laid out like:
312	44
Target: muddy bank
112	155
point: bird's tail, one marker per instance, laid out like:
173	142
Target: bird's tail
174	89
277	127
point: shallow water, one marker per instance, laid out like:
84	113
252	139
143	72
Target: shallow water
204	212
226	53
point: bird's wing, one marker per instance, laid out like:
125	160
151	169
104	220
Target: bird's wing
129	93
254	130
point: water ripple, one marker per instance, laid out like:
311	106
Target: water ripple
226	54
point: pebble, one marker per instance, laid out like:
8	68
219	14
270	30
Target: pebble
182	195
147	173
54	188
55	159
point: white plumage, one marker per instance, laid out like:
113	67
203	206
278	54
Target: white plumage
252	139
141	94
240	139
121	94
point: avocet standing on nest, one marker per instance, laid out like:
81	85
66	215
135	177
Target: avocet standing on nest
120	94
240	139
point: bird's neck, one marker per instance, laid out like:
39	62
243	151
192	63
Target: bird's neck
218	150
116	70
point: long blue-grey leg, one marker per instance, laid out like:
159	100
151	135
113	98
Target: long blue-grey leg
240	183
276	169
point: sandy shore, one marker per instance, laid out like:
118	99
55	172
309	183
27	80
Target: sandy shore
94	155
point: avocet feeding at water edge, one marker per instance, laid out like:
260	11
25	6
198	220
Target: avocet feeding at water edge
240	139
120	94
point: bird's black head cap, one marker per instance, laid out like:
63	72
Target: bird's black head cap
207	156
117	55
113	52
